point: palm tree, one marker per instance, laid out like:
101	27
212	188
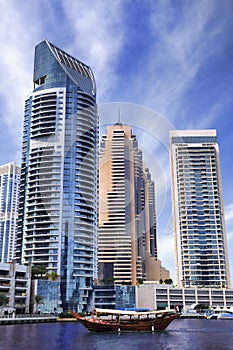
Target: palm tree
38	272
39	300
52	276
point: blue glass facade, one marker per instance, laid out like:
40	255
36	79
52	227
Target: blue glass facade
58	211
125	297
9	200
49	291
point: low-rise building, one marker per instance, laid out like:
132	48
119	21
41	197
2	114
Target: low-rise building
160	296
155	296
15	281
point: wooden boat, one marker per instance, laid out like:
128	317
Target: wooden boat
107	320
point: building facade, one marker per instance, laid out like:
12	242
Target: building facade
58	196
9	201
127	249
15	284
48	291
161	296
115	297
154	296
198	214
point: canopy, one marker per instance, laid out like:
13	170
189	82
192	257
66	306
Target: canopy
129	312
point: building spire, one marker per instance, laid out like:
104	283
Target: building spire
119	117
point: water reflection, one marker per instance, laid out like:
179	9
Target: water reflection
181	334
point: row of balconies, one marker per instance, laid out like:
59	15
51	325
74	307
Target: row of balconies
87	115
43	121
85	157
85	97
85	103
40	246
41	129
44	97
41	110
48	150
42	171
37	231
38	154
48	174
50	103
85	142
4	278
40	166
42	212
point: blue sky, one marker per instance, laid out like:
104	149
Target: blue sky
174	58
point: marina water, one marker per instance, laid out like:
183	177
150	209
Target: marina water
182	334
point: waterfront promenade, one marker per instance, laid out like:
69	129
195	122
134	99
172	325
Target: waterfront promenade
26	318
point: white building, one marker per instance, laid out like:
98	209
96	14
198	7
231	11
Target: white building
198	213
15	283
9	202
161	296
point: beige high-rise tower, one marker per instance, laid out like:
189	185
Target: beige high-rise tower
127	249
198	213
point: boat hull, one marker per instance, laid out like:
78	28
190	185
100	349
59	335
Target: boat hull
98	325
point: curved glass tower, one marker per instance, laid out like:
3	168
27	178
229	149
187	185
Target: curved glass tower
58	212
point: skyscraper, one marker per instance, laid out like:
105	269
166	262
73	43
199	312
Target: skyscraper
198	215
127	249
9	201
58	210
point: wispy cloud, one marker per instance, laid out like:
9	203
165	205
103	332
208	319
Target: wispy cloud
90	31
18	34
98	34
155	56
183	41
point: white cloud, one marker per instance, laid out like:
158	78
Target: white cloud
89	30
97	33
18	32
180	47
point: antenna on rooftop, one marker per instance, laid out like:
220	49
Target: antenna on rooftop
119	117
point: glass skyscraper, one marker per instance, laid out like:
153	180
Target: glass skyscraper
198	213
58	210
9	201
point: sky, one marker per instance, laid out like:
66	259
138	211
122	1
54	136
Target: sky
165	64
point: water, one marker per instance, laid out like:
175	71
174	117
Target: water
183	334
